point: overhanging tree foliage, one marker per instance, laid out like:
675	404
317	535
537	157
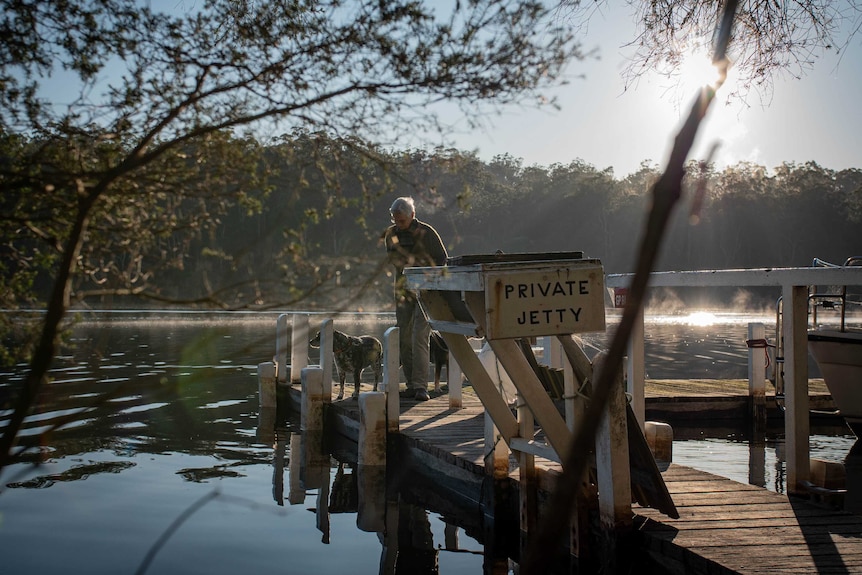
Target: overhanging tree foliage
769	39
117	119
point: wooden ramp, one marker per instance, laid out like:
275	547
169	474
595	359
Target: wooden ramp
724	526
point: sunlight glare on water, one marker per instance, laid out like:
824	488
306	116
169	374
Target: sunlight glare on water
701	318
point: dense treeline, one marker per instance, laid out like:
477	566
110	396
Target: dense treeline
328	203
301	227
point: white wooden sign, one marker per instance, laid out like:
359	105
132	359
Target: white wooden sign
551	301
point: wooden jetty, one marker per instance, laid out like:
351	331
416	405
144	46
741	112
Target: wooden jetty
724	526
481	449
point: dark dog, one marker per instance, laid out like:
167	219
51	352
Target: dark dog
439	356
353	354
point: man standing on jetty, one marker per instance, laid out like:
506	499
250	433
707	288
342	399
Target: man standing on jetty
411	243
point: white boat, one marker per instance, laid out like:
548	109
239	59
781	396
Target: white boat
838	350
839	357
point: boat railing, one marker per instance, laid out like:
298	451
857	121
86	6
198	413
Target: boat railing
836	301
832	300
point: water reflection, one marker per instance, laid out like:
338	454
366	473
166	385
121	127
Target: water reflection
403	528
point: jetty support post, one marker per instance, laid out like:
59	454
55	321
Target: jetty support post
578	375
528	483
757	374
282	349
314	472
453	379
266	414
613	476
390	386
298	346
635	370
327	341
266	432
796	424
556	356
371	463
495	493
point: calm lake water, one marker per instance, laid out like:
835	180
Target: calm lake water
160	464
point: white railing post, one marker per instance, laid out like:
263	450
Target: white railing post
281	348
613	474
390	385
326	358
796	424
298	346
635	370
757	373
314	471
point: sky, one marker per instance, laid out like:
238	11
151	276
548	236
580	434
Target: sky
600	122
815	118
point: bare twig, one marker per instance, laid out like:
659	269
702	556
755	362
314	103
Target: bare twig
666	193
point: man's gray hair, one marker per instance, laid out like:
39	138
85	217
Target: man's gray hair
403	206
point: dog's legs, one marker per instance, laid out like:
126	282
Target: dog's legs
438	367
341	377
378	372
356	376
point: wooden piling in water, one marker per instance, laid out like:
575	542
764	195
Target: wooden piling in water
313	397
529	510
372	429
314	471
371	460
266	425
266	384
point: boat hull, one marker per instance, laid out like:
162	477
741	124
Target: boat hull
839	357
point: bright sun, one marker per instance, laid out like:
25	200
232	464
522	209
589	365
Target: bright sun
673	89
695	71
